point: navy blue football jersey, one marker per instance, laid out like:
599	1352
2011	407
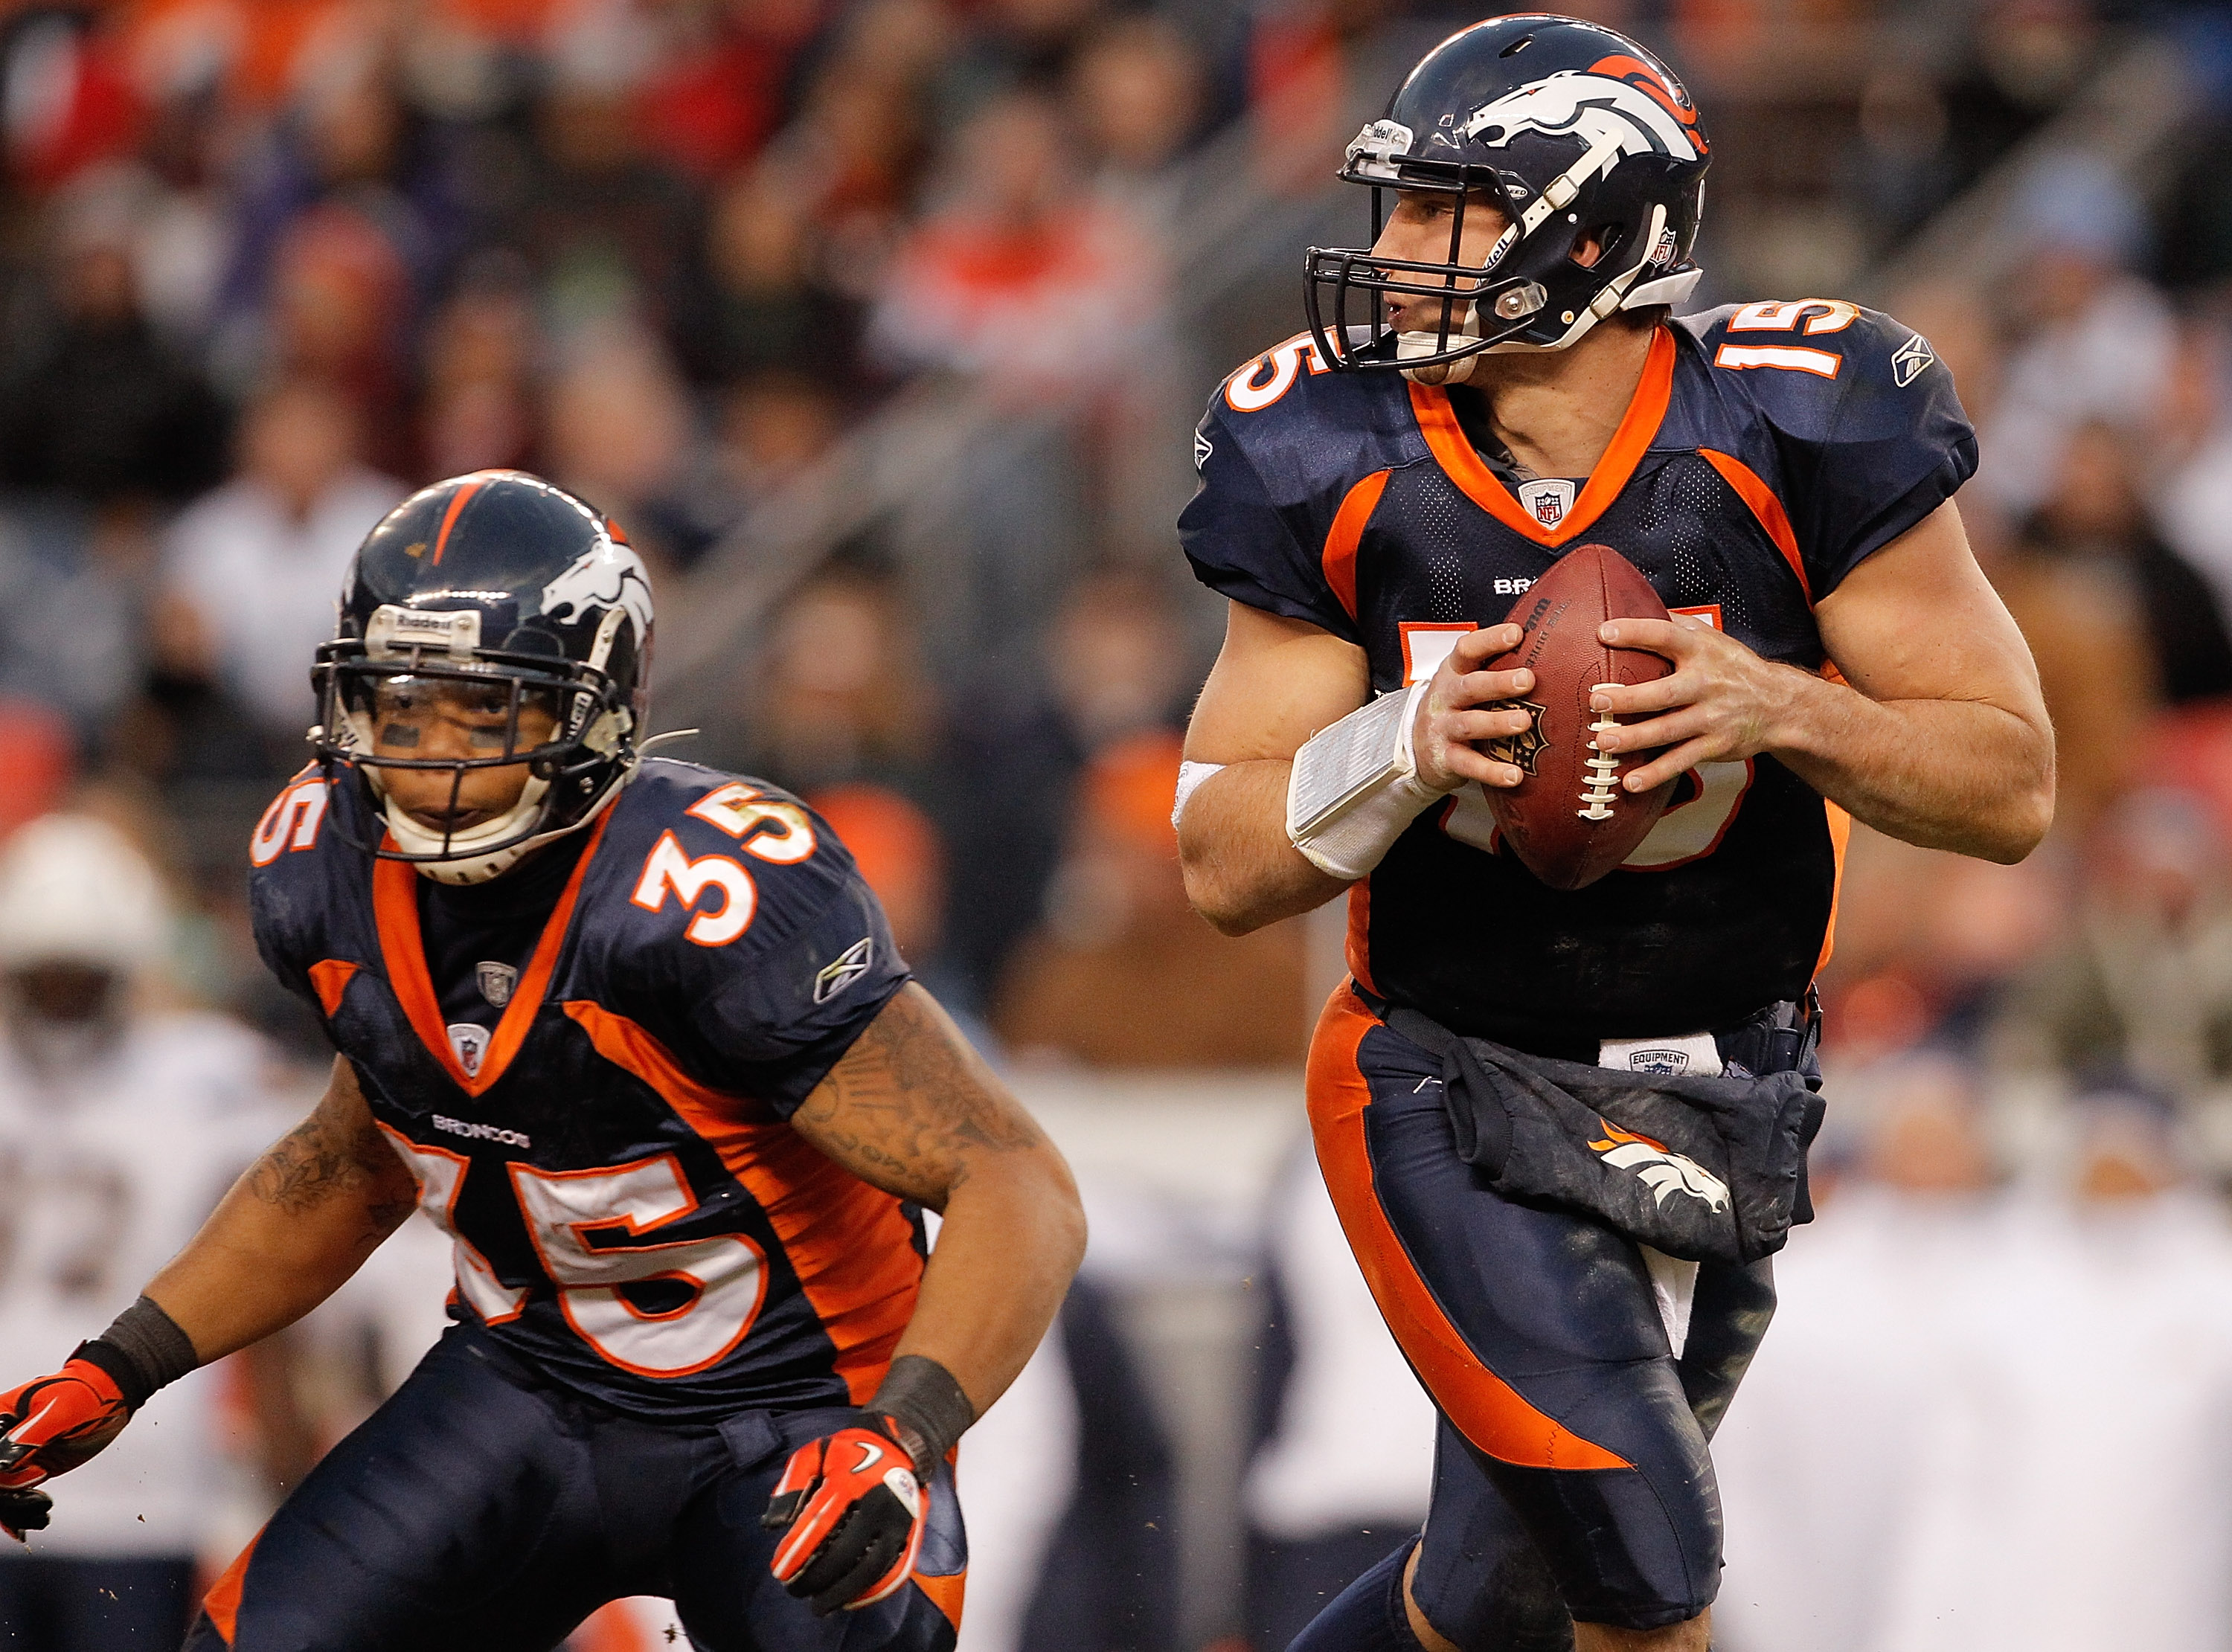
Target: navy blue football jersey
631	1209
1769	449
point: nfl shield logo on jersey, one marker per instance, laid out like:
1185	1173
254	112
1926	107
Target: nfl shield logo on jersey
1547	501
470	1044
497	980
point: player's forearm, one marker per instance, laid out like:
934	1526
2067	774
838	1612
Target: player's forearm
1967	777
1241	871
299	1221
1012	1235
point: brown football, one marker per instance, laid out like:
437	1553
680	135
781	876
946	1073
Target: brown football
1570	821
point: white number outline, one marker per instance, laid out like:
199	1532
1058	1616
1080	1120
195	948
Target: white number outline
1468	819
669	867
1245	394
1774	315
764	828
292	821
440	1174
588	1278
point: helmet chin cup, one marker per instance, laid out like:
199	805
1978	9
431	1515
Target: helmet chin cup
478	852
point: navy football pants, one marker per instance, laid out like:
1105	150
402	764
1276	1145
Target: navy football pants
1571	1475
481	1510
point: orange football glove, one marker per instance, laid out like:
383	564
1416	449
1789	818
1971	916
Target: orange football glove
853	1511
48	1427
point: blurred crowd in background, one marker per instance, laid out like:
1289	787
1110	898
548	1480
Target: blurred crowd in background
880	326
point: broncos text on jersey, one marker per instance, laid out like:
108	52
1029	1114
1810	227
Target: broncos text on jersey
632	1210
1769	449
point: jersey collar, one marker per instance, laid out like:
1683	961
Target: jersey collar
1646	410
403	951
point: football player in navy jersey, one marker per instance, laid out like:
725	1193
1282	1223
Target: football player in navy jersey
634	1034
1496	379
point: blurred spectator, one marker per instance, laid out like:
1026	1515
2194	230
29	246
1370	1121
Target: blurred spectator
841	698
617	430
774	426
101	408
348	225
1826	1454
260	561
1021	277
478	411
2096	341
67	101
121	1125
1136	89
719	92
1122	972
1345	1464
2088	632
185	727
1072	1487
71	583
1926	942
2093	513
2195	507
771	309
35	766
607	226
897	849
2144	983
1110	667
1920	1458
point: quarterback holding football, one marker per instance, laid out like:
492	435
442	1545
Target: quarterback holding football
634	1034
1564	637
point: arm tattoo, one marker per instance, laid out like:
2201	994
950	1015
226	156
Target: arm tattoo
325	1156
909	1108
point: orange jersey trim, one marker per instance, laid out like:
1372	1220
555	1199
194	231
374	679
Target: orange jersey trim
944	1592
1766	508
850	1244
395	908
1454	451
222	1601
1840	837
330	978
1340	558
1488	1410
1358	951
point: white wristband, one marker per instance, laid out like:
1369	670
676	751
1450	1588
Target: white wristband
1190	776
1346	806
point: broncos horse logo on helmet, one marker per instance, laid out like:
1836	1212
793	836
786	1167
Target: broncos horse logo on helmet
502	583
1570	132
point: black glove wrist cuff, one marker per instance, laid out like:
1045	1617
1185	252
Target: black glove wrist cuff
921	1398
143	1351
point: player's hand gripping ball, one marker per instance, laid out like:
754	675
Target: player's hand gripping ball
47	1426
1569	820
851	1511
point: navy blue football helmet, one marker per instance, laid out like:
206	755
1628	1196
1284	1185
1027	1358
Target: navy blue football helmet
1572	131
497	581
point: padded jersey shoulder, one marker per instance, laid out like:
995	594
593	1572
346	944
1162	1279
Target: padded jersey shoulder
1284	441
1844	414
307	862
730	921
